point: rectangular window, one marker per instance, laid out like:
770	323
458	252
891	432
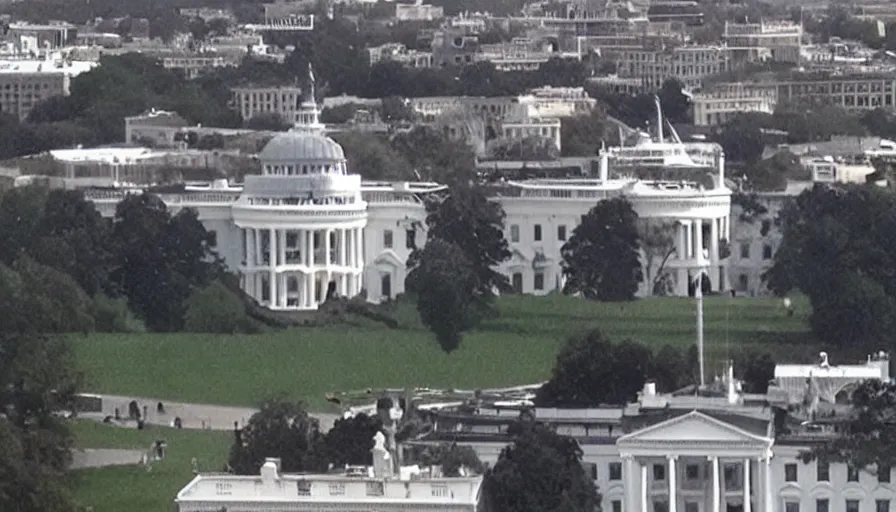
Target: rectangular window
592	470
883	474
822	505
744	251
852	505
692	472
539	281
615	471
337	489
790	474
376	489
212	238
387	239
537	233
766	252
410	239
616	505
823	471
852	474
882	506
561	233
514	233
791	506
517	282
659	472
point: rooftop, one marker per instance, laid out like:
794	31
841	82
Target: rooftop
34	66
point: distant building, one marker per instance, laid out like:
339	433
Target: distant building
280	100
722	102
689	64
778	41
25	83
194	64
397	52
50	35
417	12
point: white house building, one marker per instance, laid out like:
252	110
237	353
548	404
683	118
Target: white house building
712	450
306	227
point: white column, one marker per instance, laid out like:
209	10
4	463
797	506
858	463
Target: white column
698	239
306	291
257	237
342	251
247	247
644	487
680	242
748	507
272	261
327	233
282	245
631	479
283	287
714	241
673	484
767	485
716	485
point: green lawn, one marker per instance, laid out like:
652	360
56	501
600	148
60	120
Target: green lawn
516	347
115	489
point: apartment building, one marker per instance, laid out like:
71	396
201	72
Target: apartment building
778	41
855	92
721	103
398	52
25	83
280	100
690	64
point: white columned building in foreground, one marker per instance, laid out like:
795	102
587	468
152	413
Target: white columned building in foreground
302	219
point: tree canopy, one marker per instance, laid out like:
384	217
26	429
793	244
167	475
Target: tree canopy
602	258
837	249
590	371
350	441
280	429
542	471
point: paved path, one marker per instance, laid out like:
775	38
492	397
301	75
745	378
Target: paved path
193	416
98	458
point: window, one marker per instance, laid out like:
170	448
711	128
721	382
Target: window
822	505
883	474
691	506
692	472
659	472
744	251
852	505
615	471
791	506
337	489
766	226
790	472
823	471
387	239
539	280
410	239
514	233
743	282
852	474
386	285
592	470
517	282
882	506
212	238
303	487
537	233
660	506
375	489
561	233
616	505
766	252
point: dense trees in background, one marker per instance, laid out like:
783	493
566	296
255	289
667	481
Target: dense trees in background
350	441
453	276
601	260
89	273
837	248
867	440
542	471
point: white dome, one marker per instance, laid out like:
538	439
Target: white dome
298	146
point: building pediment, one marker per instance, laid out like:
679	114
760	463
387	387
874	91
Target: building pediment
388	258
693	429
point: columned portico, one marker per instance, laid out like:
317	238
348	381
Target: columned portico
293	268
691	253
695	463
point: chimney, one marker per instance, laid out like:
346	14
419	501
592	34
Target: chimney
270	471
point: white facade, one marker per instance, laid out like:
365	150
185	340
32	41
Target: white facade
272	491
252	101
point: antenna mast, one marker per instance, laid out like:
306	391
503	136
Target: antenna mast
698	294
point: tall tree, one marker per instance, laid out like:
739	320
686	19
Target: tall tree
350	440
868	439
658	243
452	457
279	429
468	219
444	282
590	371
602	259
542	471
837	249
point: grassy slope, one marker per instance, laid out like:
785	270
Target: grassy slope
134	488
516	347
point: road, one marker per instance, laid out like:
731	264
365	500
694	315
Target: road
193	416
